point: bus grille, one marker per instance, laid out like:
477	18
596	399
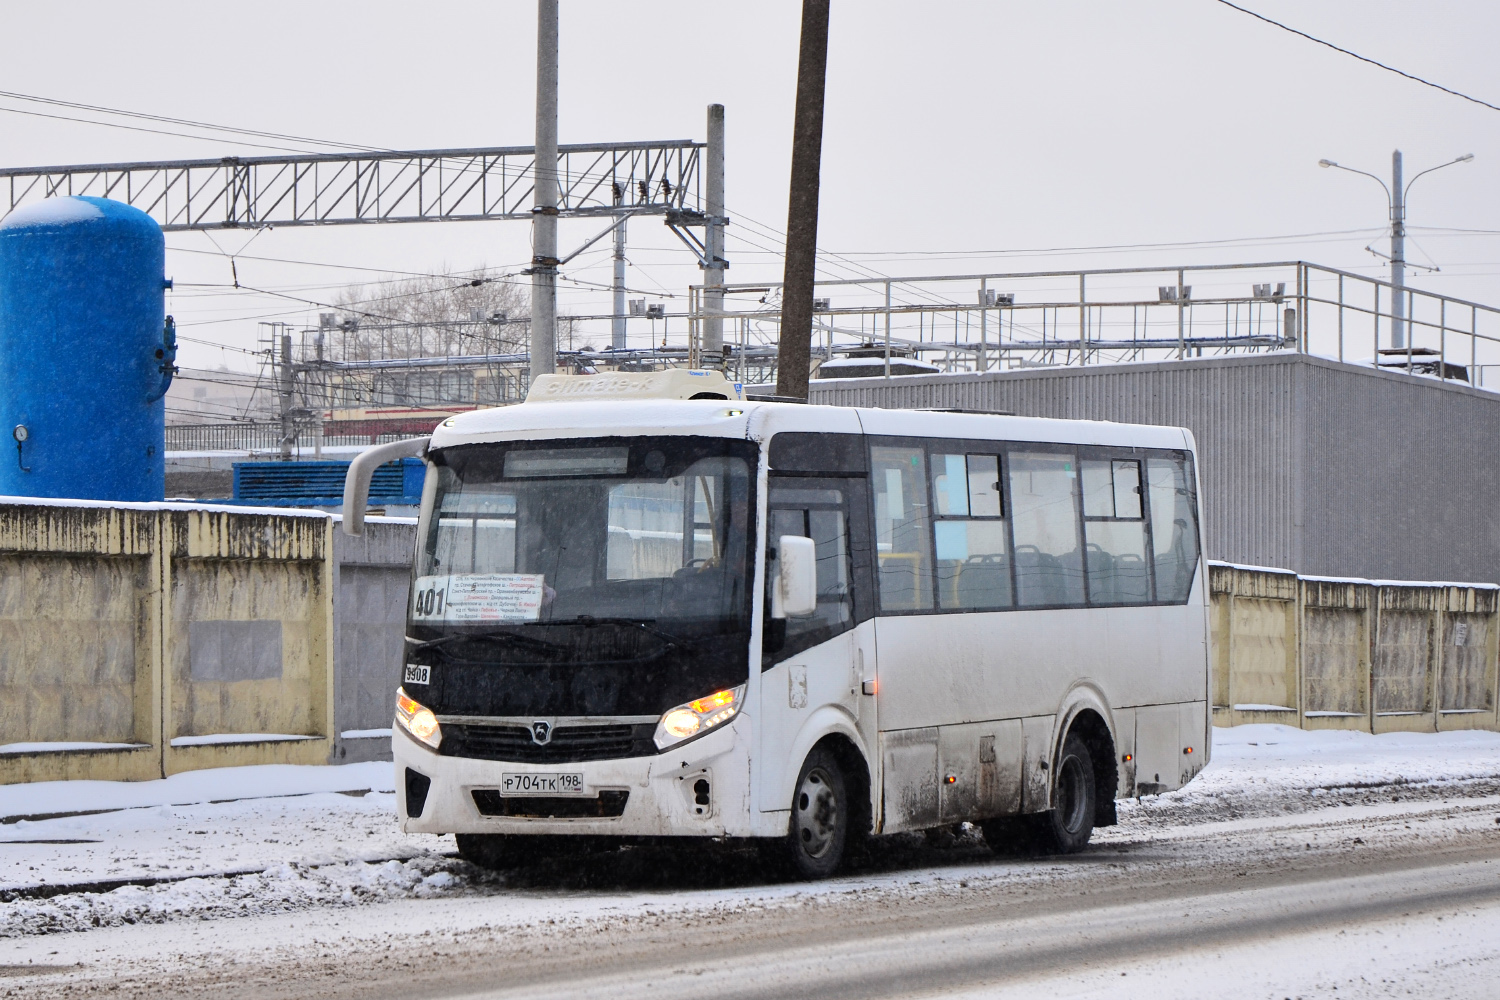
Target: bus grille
569	744
606	804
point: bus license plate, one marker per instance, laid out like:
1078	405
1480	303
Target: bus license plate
541	784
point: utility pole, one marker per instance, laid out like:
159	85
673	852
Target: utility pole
794	351
1398	254
713	242
617	323
287	380
544	210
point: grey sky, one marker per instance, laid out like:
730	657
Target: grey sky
956	126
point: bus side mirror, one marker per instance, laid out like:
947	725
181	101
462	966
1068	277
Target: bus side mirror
357	480
797	580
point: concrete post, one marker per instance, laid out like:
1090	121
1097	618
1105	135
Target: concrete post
713	241
544	210
617	331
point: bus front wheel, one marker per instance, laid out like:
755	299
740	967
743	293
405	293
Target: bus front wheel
819	827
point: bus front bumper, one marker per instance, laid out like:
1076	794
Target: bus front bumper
664	794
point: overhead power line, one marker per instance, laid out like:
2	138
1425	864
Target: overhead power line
1356	55
164	119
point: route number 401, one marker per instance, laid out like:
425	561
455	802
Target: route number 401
430	602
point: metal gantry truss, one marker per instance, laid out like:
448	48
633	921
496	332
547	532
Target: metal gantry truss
440	185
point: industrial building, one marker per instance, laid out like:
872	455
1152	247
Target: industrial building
1309	464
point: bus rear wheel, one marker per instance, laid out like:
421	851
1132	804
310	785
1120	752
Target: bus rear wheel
1063	829
818	830
1068	825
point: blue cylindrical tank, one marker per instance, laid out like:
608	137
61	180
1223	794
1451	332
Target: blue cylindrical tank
84	356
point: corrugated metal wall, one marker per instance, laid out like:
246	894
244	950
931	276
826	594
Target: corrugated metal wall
1400	476
1308	464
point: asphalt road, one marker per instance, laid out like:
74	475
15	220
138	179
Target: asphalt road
1387	899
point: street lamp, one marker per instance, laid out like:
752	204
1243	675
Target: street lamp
1395	196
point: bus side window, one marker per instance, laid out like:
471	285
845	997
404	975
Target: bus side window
1174	527
902	540
972	557
1049	558
1114	532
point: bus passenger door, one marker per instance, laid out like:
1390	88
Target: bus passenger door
824	659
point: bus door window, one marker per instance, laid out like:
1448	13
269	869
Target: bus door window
972	557
1049	556
1114	528
902	539
1174	526
819	514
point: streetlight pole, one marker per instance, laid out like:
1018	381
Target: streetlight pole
1396	198
1398	254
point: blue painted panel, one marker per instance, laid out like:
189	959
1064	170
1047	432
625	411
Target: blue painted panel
321	484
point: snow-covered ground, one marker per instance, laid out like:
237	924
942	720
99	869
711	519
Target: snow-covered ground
228	842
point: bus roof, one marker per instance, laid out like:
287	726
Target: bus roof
760	420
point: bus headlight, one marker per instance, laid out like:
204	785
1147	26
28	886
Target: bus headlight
697	717
417	719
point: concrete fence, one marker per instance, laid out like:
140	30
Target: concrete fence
1377	656
140	640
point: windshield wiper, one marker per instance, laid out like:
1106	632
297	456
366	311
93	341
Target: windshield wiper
644	624
519	640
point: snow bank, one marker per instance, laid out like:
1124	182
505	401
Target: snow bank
213	785
1265	770
281	888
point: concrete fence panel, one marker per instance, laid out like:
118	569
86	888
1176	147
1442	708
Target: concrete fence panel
1336	671
1255	644
1464	680
1402	664
249	639
80	631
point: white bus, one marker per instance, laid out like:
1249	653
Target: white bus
711	617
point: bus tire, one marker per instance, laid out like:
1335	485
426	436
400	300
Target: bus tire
1067	826
818	830
500	851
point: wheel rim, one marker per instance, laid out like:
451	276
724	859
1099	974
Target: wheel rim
816	813
1068	797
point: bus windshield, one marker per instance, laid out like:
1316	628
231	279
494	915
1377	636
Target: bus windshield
627	561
